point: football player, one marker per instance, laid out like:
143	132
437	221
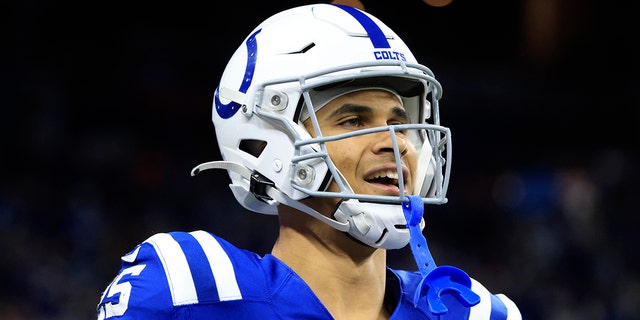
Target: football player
324	118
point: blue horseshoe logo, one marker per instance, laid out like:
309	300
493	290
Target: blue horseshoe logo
226	111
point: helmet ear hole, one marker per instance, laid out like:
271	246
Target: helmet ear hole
252	147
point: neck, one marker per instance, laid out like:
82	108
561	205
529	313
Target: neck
348	277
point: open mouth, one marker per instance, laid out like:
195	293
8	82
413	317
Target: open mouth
386	177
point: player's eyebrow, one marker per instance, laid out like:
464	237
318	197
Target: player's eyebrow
355	108
401	113
350	108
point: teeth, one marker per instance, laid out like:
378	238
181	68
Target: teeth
387	174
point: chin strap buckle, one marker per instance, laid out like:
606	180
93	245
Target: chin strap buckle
258	186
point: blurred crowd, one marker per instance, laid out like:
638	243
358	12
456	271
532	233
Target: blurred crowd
106	111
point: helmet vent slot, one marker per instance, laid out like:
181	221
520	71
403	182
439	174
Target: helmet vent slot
305	49
253	147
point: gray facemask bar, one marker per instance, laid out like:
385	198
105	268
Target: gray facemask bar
441	181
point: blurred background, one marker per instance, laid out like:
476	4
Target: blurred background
106	109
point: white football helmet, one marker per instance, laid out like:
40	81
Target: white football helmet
289	66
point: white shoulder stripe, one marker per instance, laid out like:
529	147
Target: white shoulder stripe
176	268
221	266
482	310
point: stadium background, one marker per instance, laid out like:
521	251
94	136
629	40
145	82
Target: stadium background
106	108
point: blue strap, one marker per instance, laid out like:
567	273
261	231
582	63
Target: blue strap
436	281
413	210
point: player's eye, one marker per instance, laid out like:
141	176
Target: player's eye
351	122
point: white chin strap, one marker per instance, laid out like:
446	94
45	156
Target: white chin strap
379	225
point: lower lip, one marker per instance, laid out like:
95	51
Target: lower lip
387	189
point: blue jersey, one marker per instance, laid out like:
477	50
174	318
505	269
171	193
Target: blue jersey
198	275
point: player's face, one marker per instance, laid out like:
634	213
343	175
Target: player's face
367	161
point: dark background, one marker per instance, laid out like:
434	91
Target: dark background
106	108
